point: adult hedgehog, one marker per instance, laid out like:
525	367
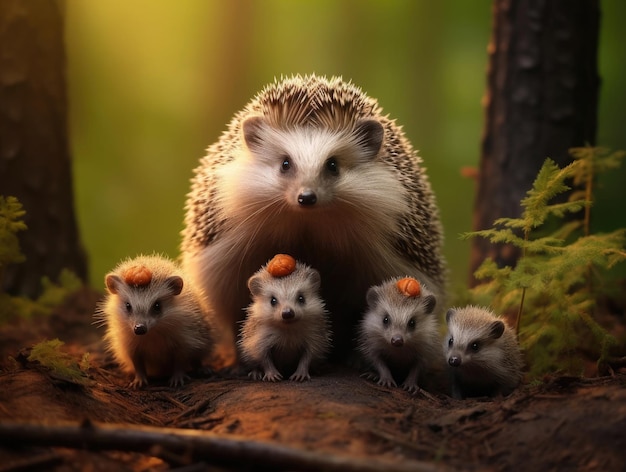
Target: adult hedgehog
312	168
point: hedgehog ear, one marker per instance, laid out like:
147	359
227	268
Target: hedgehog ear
370	136
372	296
252	129
449	315
496	329
175	284
315	278
429	303
113	283
254	285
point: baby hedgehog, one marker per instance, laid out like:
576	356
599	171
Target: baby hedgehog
398	335
287	326
156	324
482	351
311	167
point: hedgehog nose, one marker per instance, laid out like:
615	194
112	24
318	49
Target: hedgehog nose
288	314
140	329
454	361
397	340
307	197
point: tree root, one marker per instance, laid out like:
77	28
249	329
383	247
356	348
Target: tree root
231	451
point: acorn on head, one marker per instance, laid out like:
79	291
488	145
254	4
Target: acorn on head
281	265
409	287
137	275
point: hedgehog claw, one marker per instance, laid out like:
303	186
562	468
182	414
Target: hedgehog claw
369	376
138	382
298	377
386	382
178	379
272	377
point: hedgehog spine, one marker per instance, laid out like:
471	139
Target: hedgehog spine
311	167
483	356
156	324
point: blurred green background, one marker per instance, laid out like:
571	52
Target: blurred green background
153	83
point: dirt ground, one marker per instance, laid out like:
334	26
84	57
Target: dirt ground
336	421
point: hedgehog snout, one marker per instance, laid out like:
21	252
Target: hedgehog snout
397	340
307	197
454	361
140	329
288	314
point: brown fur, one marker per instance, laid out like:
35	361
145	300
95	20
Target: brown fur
156	328
311	167
286	324
399	334
482	352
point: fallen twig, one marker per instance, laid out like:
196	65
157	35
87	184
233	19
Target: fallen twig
231	451
37	462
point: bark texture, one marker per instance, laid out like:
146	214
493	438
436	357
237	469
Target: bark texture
35	164
541	100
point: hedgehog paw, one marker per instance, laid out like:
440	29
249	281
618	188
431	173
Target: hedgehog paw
369	376
138	382
256	374
300	377
386	382
178	379
272	375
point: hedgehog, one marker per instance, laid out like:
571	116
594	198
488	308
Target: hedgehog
482	353
287	327
156	322
312	168
399	333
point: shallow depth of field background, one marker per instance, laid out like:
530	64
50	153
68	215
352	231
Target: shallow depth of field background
152	84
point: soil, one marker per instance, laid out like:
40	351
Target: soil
336	421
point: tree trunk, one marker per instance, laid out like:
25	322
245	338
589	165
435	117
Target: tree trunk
35	164
541	100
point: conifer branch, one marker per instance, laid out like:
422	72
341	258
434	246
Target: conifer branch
551	284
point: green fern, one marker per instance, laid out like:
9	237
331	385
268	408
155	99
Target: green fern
11	223
11	214
550	287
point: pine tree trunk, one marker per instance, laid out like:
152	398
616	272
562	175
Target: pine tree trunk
541	100
35	164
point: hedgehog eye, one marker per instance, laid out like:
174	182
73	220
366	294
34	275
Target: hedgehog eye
273	301
301	299
411	324
157	308
475	346
332	165
450	341
286	165
386	320
129	308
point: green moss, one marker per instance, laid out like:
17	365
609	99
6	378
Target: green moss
11	214
55	293
563	270
50	355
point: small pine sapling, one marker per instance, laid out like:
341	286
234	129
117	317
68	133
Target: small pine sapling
11	223
551	283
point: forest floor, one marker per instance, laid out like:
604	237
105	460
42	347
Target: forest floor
336	421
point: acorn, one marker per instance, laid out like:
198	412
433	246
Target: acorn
138	275
281	265
409	287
